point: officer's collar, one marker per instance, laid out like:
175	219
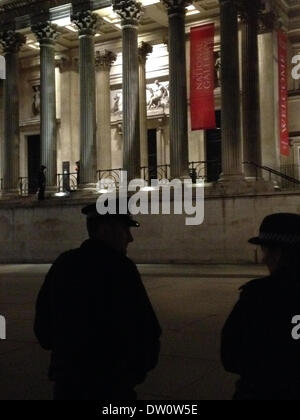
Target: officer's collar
100	246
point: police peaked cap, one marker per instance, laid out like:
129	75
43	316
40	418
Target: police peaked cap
279	229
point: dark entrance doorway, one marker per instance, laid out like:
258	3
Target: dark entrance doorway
152	154
214	151
34	162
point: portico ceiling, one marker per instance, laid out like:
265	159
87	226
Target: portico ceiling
155	19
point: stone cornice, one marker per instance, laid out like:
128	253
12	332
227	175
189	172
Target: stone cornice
17	4
11	12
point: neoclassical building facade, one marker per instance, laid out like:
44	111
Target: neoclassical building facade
96	86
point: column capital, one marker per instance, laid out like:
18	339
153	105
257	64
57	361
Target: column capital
144	50
268	22
62	62
176	7
249	10
104	60
66	63
130	11
86	22
45	32
12	41
233	2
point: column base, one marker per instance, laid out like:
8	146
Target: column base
231	177
51	189
10	193
262	185
86	190
238	185
50	192
183	177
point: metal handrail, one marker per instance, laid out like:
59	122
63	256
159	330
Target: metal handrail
274	172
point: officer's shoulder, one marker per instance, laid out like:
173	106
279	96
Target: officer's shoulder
256	285
66	256
127	264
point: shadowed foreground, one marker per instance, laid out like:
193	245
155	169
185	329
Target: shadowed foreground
192	303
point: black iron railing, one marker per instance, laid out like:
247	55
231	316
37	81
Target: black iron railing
113	176
287	178
107	177
67	182
208	170
158	172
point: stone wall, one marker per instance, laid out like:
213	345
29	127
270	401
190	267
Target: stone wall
33	232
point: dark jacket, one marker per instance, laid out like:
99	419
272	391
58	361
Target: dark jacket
41	179
257	341
94	314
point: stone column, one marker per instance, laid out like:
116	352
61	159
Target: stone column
11	42
46	34
87	23
178	88
249	12
161	145
231	135
130	12
268	68
144	50
104	62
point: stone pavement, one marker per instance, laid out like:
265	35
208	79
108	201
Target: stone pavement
192	303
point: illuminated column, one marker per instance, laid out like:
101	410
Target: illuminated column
249	12
268	66
162	152
130	12
178	88
46	35
11	42
87	23
144	50
104	62
231	136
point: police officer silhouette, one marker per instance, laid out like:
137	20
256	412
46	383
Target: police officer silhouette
258	342
95	317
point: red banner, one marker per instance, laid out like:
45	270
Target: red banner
202	77
283	94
